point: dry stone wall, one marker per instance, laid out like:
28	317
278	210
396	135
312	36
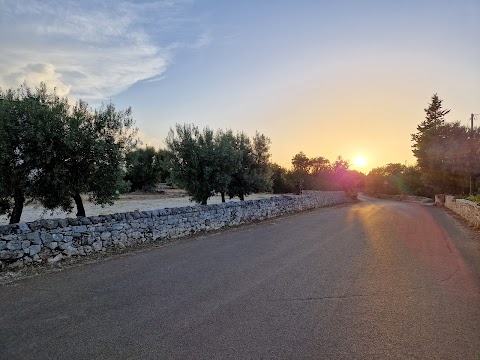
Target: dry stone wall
52	240
469	210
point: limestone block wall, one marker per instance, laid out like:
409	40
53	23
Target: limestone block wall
465	208
53	240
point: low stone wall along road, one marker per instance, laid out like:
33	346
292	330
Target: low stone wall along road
377	279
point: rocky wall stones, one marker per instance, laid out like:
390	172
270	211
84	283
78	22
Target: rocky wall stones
469	210
52	240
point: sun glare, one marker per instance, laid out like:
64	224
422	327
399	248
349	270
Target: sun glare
360	161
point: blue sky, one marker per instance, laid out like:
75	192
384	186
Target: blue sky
328	78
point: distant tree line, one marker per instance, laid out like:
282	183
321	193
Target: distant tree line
396	179
448	155
52	152
316	173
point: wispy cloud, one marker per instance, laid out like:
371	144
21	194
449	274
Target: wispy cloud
89	49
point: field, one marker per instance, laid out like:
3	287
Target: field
128	202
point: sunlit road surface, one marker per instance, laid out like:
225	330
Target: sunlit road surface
373	280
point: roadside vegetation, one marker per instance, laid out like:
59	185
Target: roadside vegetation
52	152
472	198
448	160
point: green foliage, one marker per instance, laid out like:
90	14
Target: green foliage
473	198
281	183
352	194
447	153
31	127
164	159
90	158
301	163
205	162
396	179
316	173
146	167
253	173
227	161
52	153
189	168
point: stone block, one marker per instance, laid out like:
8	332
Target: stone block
71	251
11	254
105	236
14	245
97	220
64	245
17	264
79	228
55	259
23	227
97	246
49	224
34	249
34	237
63	223
85	221
57	237
35	225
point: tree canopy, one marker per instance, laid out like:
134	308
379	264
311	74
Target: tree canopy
447	153
204	162
52	152
316	173
146	167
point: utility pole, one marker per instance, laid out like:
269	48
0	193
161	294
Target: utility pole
471	140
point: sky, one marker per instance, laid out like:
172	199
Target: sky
329	78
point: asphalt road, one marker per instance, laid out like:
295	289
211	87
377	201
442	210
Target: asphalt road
373	280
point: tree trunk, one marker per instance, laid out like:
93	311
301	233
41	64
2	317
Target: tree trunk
204	202
242	197
17	207
79	203
223	196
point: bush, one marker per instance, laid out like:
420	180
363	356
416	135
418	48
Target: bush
352	194
473	198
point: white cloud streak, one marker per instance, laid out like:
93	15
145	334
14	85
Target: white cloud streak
88	50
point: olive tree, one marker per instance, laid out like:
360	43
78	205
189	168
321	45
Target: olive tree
52	153
204	163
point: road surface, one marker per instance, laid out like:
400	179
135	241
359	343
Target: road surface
374	280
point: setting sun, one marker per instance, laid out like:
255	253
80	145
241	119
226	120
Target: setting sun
360	161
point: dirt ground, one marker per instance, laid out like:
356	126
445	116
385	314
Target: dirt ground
129	202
